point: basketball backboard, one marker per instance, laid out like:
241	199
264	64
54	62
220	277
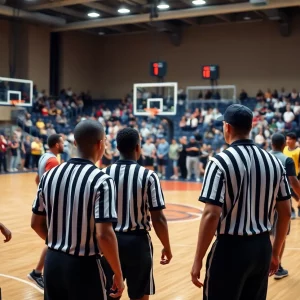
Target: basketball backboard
161	96
16	91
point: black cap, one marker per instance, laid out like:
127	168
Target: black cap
237	115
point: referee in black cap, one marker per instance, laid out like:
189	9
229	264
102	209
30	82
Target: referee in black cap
242	187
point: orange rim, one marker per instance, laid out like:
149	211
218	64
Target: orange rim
152	111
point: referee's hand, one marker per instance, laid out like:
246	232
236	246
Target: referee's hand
118	287
195	274
6	232
274	265
166	256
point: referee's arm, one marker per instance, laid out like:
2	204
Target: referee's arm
38	218
105	215
156	205
213	194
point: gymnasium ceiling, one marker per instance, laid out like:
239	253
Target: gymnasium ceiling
66	15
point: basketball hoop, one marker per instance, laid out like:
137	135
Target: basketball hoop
152	111
15	102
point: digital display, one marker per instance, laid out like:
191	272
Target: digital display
158	69
210	72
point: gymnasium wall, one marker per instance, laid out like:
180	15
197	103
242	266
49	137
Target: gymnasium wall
81	58
251	56
32	52
4	48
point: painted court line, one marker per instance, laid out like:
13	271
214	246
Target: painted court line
23	281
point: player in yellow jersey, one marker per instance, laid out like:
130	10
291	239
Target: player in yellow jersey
293	151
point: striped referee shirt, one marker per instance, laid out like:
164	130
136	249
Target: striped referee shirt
246	182
73	197
138	192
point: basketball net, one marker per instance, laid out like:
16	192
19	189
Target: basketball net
16	102
152	111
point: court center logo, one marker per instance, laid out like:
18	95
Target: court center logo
182	213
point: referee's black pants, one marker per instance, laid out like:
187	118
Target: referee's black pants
237	268
68	277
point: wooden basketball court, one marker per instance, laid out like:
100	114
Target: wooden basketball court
19	256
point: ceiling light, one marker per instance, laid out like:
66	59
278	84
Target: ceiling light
93	14
163	5
101	33
123	10
199	2
247	18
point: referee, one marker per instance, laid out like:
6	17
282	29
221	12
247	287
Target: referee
73	212
139	197
241	188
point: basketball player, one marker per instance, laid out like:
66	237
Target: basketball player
148	151
242	185
47	162
293	151
6	232
139	196
73	212
278	144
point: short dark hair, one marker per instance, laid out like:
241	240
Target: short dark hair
291	135
87	133
53	140
278	140
242	130
127	139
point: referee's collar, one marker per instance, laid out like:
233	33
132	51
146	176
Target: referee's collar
242	142
78	160
125	162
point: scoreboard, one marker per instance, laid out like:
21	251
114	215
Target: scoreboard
158	69
210	72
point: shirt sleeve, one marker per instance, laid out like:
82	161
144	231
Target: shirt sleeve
155	196
284	192
38	206
214	186
51	163
290	167
105	202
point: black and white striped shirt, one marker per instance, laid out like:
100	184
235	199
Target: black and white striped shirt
74	196
138	192
246	182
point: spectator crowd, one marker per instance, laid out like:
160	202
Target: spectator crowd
183	154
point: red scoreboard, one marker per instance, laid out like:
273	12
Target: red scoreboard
210	72
158	69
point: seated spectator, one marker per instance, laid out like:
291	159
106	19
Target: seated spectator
106	114
28	122
61	119
260	96
294	95
289	118
144	130
269	115
283	93
275	94
280	124
50	129
40	124
243	95
44	111
260	139
268	94
273	126
182	123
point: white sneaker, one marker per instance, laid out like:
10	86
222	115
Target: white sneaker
16	170
198	179
175	178
172	177
188	178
